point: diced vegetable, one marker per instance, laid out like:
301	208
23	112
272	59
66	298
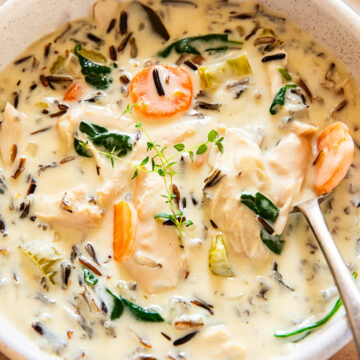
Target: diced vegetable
187	45
57	66
74	92
125	219
93	56
273	242
279	99
218	260
335	156
214	74
44	255
114	142
260	205
161	90
139	312
95	75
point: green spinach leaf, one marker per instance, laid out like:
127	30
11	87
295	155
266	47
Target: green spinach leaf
273	242
95	74
118	308
80	148
140	313
279	99
186	45
115	143
260	205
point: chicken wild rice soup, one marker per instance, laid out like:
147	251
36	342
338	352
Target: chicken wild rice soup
150	157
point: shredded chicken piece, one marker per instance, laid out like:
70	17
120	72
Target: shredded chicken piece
244	168
71	209
287	164
11	134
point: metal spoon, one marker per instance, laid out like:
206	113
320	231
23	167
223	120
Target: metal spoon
349	292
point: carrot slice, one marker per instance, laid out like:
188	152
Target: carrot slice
125	219
74	92
335	156
161	90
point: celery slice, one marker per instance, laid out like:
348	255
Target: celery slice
213	75
218	260
44	255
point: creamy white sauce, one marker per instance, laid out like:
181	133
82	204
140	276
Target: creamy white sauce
249	307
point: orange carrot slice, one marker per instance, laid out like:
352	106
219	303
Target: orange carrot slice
335	155
125	219
74	92
161	90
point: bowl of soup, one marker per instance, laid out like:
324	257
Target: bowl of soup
151	154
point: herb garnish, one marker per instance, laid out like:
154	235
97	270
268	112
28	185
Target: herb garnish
186	45
89	277
279	98
112	141
95	74
260	205
140	313
310	328
163	166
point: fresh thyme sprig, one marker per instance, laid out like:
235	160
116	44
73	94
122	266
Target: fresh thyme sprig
163	165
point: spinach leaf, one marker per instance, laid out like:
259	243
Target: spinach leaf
260	205
112	141
91	130
309	329
185	45
118	308
95	74
139	312
273	242
80	148
89	277
279	98
325	319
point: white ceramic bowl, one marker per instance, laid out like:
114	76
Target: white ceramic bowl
330	21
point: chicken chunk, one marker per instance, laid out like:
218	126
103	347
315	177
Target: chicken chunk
287	164
243	168
158	262
217	344
105	116
11	133
72	209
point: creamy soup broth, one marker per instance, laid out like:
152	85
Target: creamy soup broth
231	317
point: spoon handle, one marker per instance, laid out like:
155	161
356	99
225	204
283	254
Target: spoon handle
346	285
